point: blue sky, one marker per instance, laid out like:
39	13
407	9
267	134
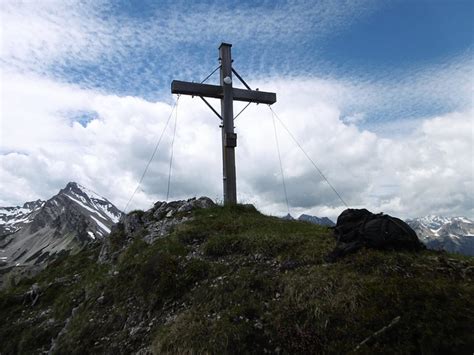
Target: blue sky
371	41
394	35
378	75
404	34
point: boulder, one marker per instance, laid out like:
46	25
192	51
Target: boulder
203	202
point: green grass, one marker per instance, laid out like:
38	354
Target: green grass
236	281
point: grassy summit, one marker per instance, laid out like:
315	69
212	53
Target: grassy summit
235	281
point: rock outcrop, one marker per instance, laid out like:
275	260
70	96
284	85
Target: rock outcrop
155	223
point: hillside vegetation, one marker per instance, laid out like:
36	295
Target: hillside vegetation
232	280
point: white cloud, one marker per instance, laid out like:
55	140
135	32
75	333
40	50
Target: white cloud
429	171
355	118
62	37
340	121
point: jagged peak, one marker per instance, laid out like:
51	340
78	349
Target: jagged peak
81	190
34	204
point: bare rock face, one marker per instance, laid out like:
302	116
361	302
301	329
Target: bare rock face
151	225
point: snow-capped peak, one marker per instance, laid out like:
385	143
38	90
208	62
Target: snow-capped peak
79	190
92	202
68	220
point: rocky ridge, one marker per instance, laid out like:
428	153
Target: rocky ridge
153	224
191	277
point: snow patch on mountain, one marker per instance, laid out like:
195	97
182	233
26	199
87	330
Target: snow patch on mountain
13	219
89	193
101	225
82	205
93	202
453	234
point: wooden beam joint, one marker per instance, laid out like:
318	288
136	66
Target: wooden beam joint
217	92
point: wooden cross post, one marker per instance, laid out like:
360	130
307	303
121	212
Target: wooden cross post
227	94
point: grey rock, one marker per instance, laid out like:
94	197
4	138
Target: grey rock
32	295
132	222
156	223
135	330
203	202
159	210
104	254
144	351
188	206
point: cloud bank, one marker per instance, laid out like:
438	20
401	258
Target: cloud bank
85	96
427	171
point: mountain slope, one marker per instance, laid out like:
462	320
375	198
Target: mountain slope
183	279
454	234
66	222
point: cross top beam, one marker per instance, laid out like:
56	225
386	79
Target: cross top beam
227	94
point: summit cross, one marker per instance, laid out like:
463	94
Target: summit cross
227	94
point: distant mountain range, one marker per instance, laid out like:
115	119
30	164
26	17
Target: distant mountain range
455	234
36	232
324	221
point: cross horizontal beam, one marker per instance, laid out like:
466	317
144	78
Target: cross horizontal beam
217	92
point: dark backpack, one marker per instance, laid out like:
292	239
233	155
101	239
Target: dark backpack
357	228
349	222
